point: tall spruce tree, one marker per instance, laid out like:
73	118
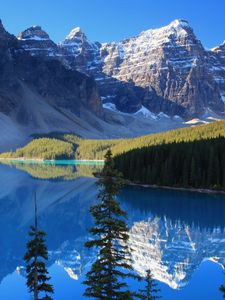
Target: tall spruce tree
106	279
150	291
35	258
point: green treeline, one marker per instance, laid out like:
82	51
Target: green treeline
69	146
44	148
96	149
198	164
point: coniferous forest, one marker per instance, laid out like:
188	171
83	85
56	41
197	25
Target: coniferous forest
187	157
68	146
197	164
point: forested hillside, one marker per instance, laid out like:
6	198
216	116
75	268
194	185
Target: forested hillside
69	146
44	148
198	164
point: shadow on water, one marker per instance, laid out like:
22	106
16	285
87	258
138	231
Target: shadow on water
205	211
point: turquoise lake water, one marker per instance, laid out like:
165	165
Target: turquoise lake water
179	235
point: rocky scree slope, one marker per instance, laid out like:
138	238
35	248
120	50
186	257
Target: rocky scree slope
39	95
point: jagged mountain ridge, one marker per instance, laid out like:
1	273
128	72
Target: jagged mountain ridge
20	69
162	70
30	40
125	89
41	95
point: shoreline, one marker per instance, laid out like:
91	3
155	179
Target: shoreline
193	190
129	183
41	160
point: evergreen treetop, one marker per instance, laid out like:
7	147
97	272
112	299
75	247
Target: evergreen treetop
106	279
35	259
150	291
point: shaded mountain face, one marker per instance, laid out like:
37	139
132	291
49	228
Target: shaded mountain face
41	92
39	95
125	89
58	86
163	70
37	42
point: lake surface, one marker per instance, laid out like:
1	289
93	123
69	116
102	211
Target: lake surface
179	235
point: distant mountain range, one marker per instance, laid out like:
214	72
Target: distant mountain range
152	82
165	70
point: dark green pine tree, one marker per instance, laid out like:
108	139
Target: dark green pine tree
35	258
150	291
106	279
222	289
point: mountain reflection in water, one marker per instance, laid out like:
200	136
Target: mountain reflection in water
171	232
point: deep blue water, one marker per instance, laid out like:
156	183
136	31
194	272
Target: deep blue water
178	235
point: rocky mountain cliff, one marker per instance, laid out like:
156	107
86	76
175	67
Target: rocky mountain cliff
37	42
58	86
217	67
41	92
160	70
38	95
149	83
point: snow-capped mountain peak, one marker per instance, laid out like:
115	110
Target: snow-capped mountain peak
74	33
177	32
179	23
177	26
180	28
219	48
37	42
34	33
75	37
160	70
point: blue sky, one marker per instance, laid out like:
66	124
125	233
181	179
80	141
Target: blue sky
108	20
